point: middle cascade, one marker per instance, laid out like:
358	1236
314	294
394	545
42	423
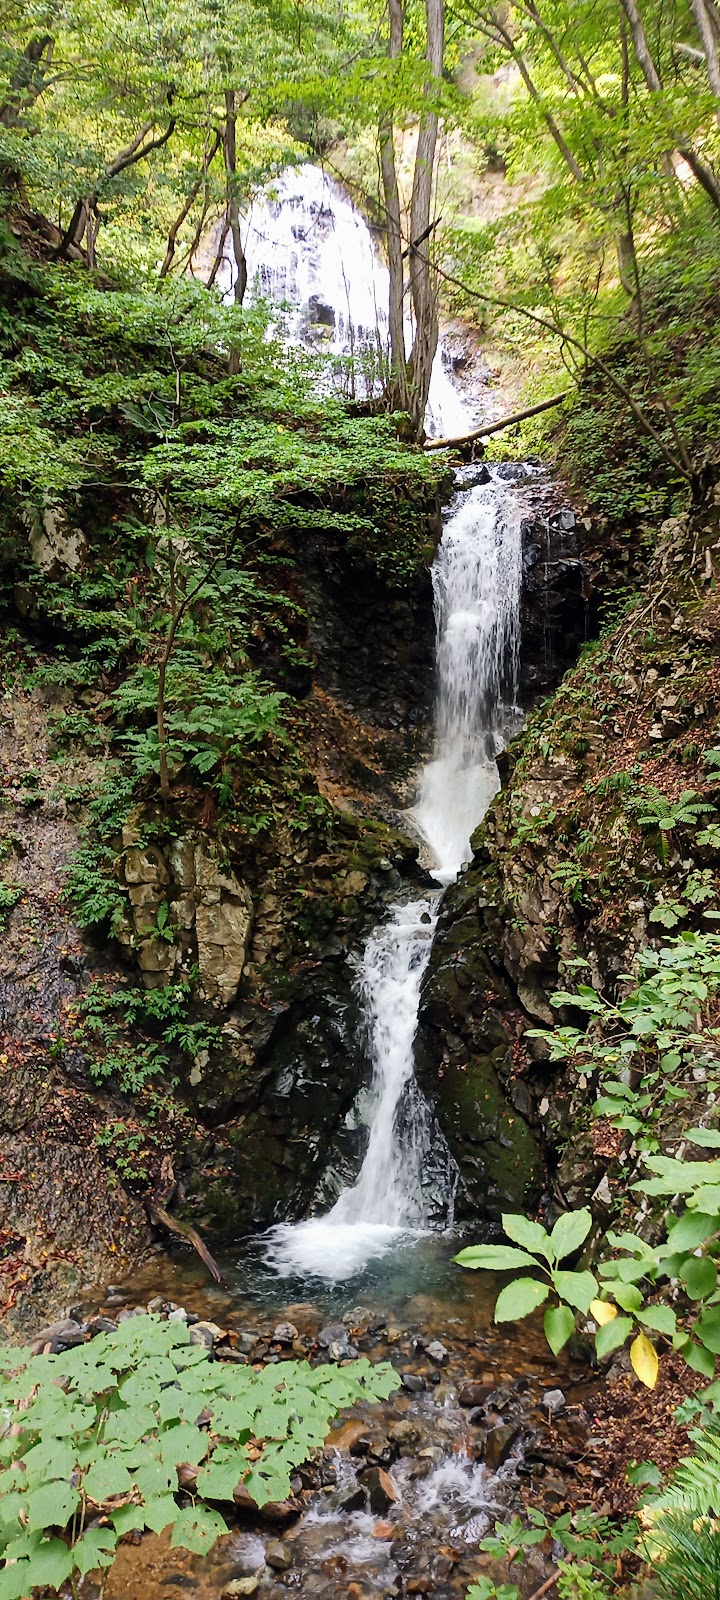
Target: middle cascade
407	1180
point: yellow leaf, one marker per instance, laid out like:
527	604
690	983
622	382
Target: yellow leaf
602	1311
643	1356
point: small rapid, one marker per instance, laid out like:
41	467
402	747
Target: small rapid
312	255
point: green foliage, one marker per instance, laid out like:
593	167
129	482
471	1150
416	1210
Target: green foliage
586	1544
544	1252
103	1429
10	894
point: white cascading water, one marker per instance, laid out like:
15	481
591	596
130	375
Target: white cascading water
308	248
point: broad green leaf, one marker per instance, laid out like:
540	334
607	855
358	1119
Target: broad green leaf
96	1548
707	1329
627	1296
559	1324
612	1334
661	1319
50	1563
197	1529
519	1299
182	1443
127	1518
106	1477
160	1512
530	1235
15	1581
51	1458
577	1288
494	1257
707	1199
644	1361
220	1476
709	1138
128	1426
699	1275
570	1231
52	1505
699	1357
692	1229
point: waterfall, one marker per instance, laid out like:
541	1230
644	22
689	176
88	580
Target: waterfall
309	249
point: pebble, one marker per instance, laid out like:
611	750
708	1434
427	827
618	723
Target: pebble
285	1333
62	1335
277	1555
241	1586
354	1500
413	1382
553	1401
178	1315
437	1353
335	1333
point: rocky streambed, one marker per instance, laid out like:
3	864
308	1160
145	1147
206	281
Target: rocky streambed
404	1490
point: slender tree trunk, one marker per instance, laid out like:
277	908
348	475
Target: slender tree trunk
398	386
704	174
710	47
240	284
423	281
208	158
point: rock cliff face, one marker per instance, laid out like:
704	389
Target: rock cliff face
565	872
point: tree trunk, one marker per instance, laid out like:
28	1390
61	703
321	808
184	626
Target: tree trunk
398	387
704	174
240	284
208	158
422	280
710	47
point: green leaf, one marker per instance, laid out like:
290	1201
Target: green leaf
197	1529
106	1477
128	1426
699	1274
52	1505
612	1334
160	1512
709	1138
692	1229
559	1324
707	1329
494	1257
183	1443
96	1548
626	1294
707	1199
221	1475
530	1235
661	1319
15	1581
699	1357
577	1288
519	1299
570	1231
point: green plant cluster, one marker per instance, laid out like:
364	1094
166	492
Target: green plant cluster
93	1439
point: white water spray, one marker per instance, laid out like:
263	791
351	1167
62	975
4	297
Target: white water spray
307	247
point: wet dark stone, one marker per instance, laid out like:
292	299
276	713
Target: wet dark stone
498	1444
413	1382
474	1394
381	1490
354	1500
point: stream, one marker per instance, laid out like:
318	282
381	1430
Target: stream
373	1273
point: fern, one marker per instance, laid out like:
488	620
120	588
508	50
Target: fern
694	1489
689	1565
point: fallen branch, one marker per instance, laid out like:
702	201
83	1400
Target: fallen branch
496	427
546	1586
162	1219
155	1205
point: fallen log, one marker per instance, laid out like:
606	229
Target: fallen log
183	1230
495	427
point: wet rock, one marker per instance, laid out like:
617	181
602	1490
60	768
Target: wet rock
352	1436
207	1334
101	1325
413	1382
437	1353
498	1444
353	1499
62	1335
285	1333
335	1333
474	1394
278	1555
241	1586
405	1435
553	1401
381	1490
